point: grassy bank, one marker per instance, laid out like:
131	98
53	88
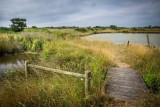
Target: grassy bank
48	89
63	49
12	44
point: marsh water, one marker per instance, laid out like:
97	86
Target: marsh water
13	61
123	38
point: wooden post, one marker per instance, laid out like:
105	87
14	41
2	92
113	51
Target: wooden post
26	68
148	40
127	43
87	82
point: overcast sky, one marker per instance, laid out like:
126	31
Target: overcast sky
127	13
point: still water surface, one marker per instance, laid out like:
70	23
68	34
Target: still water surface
14	61
123	38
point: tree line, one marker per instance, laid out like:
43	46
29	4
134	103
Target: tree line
19	24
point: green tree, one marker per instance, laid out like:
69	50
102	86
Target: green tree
113	27
34	27
18	24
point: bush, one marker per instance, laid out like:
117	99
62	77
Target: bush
113	27
34	27
83	30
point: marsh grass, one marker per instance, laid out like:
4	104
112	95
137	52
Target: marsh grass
57	51
41	90
147	60
8	45
47	89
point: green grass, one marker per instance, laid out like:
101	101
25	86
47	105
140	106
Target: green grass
147	60
62	49
40	90
12	44
47	89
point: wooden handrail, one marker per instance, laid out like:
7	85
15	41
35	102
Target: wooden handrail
86	76
57	71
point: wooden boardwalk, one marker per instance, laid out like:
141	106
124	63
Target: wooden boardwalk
124	83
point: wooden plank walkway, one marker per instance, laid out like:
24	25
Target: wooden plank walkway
124	83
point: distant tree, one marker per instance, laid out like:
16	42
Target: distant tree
149	26
34	27
81	29
18	24
113	27
134	28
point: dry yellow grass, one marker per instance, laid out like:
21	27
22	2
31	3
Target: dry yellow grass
105	48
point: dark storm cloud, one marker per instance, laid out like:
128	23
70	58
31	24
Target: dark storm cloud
81	12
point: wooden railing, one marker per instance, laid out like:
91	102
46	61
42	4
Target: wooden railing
86	76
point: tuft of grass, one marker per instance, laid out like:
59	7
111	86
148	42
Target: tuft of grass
8	45
40	90
37	45
147	60
148	100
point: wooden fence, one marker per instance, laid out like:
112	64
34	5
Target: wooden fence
86	76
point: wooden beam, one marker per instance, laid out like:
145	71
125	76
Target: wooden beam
87	82
57	71
127	43
26	69
148	40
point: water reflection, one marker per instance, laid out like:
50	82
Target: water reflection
15	61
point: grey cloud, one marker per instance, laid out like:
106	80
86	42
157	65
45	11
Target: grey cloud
81	12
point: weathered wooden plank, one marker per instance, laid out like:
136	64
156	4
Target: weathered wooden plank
125	83
57	71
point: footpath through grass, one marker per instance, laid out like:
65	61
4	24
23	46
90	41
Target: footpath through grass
62	49
145	59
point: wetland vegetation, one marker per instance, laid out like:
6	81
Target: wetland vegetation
63	48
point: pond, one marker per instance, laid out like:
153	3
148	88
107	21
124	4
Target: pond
14	61
123	38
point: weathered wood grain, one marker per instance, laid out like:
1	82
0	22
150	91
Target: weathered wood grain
124	84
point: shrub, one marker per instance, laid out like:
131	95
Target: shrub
81	30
